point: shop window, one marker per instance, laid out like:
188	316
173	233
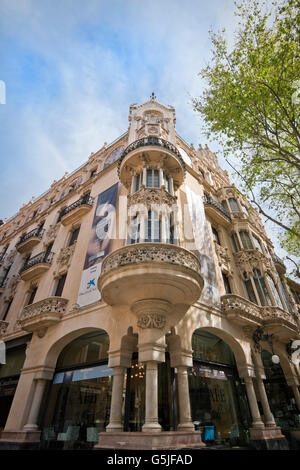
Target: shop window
261	288
60	285
274	291
83	350
216	235
226	284
233	205
246	240
74	236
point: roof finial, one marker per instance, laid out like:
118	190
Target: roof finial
153	97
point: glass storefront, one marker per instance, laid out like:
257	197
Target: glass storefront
281	398
9	377
218	400
78	404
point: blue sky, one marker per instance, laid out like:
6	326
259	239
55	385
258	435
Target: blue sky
72	69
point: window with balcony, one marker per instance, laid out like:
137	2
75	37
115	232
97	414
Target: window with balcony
235	243
60	285
138	181
274	291
233	205
32	295
152	178
74	236
249	288
261	288
93	172
6	309
226	284
257	243
216	235
135	229
246	240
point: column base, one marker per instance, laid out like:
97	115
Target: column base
151	427
20	440
114	427
270	438
149	440
186	427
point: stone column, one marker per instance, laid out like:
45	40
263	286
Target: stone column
133	179
145	176
151	399
269	420
256	418
161	178
185	419
115	420
296	395
32	421
171	186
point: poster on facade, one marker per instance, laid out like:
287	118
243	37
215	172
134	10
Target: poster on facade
98	247
204	248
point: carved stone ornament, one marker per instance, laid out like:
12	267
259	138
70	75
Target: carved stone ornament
151	320
223	257
65	255
247	260
3	327
151	252
51	233
10	257
51	304
12	285
149	196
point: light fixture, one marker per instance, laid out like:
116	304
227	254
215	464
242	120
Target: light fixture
258	336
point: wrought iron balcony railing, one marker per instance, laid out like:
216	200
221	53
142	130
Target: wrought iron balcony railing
208	201
85	200
149	141
42	257
36	232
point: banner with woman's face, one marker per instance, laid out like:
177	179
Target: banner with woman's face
103	230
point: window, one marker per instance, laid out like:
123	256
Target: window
152	178
60	285
246	240
4	277
257	243
153	228
93	172
32	295
274	291
169	229
48	249
261	288
135	230
249	289
137	182
226	284
233	205
7	309
216	235
235	242
74	236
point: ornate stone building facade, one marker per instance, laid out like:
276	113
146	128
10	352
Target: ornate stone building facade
142	306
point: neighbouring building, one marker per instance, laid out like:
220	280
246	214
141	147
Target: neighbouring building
142	305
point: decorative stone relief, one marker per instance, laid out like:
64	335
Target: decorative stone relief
51	233
149	252
223	257
51	304
10	257
236	304
3	327
12	285
151	320
65	256
247	260
149	196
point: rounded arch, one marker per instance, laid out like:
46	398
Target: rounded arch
235	346
58	346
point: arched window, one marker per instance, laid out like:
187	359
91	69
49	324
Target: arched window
249	288
153	227
152	178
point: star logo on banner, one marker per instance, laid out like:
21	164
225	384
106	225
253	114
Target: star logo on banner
91	283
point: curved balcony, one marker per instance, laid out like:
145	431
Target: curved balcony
72	213
241	311
28	241
155	150
153	279
280	323
36	266
216	211
42	314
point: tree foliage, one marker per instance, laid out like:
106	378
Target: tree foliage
251	106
